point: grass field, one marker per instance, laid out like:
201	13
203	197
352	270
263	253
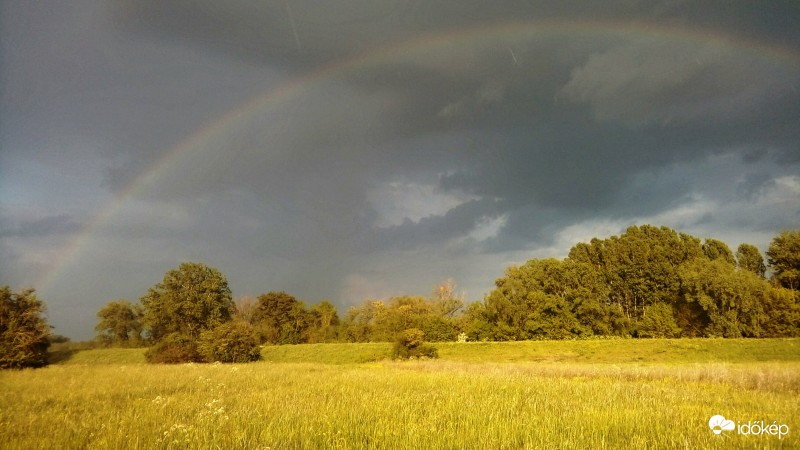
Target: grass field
550	394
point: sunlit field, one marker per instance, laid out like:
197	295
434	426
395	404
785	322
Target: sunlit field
551	394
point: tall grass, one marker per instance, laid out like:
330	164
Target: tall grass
436	404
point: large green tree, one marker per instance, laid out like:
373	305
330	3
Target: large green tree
23	330
782	307
533	301
280	318
191	298
120	323
732	301
324	322
784	259
716	249
640	267
749	258
379	320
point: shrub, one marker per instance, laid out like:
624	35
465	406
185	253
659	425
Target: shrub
231	342
410	344
173	349
24	331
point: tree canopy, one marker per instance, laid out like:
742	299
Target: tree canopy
784	258
648	282
24	330
748	257
191	299
120	323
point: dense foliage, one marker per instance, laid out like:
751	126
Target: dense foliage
120	324
648	282
232	342
24	331
784	258
174	348
411	344
191	299
378	320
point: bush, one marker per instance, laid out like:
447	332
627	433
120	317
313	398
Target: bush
24	331
173	349
410	344
232	342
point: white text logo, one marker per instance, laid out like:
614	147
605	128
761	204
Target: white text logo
718	424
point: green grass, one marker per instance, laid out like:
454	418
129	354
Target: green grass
647	351
575	394
326	353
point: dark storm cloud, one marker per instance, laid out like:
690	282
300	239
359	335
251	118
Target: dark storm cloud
302	32
383	157
568	135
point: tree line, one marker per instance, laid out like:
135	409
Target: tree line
648	282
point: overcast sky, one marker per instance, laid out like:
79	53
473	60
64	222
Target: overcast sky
371	148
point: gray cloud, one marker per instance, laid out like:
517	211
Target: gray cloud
396	143
44	226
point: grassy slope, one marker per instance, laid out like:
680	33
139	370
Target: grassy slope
647	351
642	351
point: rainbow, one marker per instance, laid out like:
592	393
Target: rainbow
398	52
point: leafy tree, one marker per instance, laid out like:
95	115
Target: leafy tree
749	258
232	342
378	320
410	343
658	321
641	266
120	323
324	320
784	259
534	300
280	318
550	317
360	320
714	249
24	331
475	324
190	299
586	290
731	300
782	308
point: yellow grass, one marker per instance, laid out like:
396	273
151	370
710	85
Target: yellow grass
436	404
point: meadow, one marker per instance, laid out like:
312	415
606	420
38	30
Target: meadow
539	394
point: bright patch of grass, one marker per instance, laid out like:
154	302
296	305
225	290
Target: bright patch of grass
327	353
605	351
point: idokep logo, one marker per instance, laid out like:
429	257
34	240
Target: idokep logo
718	424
